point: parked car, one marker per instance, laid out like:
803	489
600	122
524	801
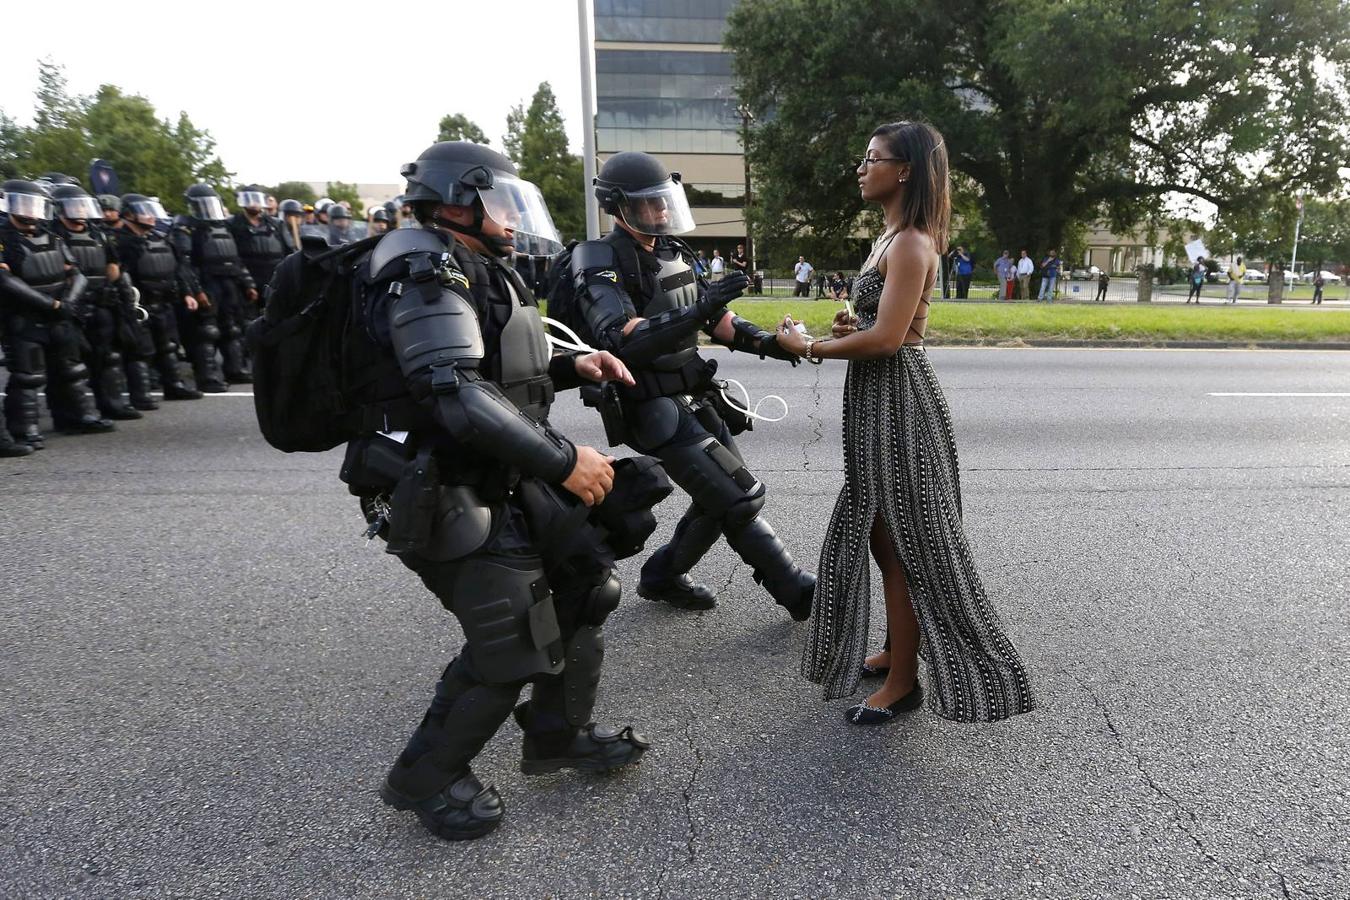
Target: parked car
1256	276
1328	277
1082	274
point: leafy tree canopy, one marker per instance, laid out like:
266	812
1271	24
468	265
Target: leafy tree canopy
458	127
1059	111
536	140
344	192
294	190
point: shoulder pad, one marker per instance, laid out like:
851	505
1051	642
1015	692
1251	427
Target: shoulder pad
594	255
403	242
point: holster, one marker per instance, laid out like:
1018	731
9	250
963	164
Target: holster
414	504
736	421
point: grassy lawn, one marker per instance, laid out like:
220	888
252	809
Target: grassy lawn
1009	322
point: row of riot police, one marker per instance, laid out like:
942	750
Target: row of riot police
513	526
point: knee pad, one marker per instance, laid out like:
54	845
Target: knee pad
76	372
602	600
208	332
30	380
745	510
112	358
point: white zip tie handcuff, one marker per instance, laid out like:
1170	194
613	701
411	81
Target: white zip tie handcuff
580	346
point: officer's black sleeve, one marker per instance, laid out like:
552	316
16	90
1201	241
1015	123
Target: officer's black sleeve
435	336
19	295
187	279
562	368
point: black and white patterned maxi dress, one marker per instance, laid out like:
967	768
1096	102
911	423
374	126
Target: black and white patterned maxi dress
900	462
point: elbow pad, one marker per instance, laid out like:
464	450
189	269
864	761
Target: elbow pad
18	290
476	412
659	335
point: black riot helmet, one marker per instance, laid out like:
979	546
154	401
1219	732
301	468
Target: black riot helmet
204	203
462	173
142	210
27	201
291	208
380	215
108	202
636	188
251	197
72	202
56	178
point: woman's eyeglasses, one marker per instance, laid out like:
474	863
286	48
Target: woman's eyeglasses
868	160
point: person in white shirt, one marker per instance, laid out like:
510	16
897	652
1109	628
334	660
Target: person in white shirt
1236	272
717	266
802	271
1024	269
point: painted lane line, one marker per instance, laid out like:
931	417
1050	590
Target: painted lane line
1279	394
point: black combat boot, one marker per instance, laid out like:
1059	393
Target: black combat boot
138	385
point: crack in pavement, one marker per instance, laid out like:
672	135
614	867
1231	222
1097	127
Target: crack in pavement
1186	814
817	426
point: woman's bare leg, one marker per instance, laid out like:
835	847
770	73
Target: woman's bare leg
901	625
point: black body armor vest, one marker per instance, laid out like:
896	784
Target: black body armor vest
214	251
258	244
156	267
43	267
91	256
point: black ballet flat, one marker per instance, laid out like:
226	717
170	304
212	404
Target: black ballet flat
862	714
869	671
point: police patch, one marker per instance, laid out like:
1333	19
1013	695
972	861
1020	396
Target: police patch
610	274
455	276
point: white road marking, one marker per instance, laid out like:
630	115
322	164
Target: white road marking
1279	394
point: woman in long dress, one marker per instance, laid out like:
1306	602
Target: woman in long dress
901	494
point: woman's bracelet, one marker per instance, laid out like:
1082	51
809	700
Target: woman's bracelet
810	343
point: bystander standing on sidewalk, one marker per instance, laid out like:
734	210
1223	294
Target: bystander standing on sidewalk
1049	275
1024	269
701	265
740	263
1103	281
1196	280
717	267
1006	270
965	267
802	273
1318	283
1236	272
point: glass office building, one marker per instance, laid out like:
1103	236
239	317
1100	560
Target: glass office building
664	85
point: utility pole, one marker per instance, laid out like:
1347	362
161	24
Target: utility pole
1298	226
746	118
588	118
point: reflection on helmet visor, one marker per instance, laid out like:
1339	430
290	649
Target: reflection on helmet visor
661	209
519	206
150	210
208	208
29	206
80	208
251	199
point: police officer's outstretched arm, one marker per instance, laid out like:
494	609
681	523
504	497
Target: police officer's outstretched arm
610	314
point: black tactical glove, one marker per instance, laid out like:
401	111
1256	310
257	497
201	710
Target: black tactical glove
768	346
720	293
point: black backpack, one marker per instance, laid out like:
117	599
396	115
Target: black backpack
299	388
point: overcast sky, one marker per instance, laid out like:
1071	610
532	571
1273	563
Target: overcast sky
272	81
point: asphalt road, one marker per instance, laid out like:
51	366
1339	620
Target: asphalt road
205	672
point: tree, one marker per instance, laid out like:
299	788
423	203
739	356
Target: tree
150	156
536	140
1061	111
344	192
294	190
458	127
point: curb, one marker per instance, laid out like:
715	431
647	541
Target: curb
1127	343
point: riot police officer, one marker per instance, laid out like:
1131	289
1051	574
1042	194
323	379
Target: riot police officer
339	224
258	237
637	295
111	205
41	290
202	238
379	220
8	446
109	302
165	282
498	512
292	220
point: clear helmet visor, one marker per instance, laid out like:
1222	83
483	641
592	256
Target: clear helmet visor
80	208
148	212
209	209
29	206
519	206
660	209
251	199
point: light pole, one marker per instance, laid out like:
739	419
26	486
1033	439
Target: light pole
1298	226
588	118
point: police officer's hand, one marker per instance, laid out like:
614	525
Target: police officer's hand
720	293
603	366
769	346
592	477
844	324
252	295
203	301
190	302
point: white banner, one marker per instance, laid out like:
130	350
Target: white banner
1196	249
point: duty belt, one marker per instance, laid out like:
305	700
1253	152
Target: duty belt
691	378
